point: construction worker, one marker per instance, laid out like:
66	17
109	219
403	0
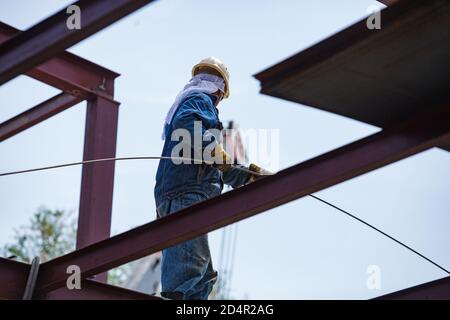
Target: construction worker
186	270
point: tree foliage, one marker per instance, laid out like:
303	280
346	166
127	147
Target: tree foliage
50	234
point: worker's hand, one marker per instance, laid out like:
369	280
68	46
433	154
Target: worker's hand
259	172
222	158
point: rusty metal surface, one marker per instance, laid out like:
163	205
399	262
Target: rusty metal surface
69	72
376	76
388	2
51	36
93	290
13	278
434	290
417	134
97	181
37	114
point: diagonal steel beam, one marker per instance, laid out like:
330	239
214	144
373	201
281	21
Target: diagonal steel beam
434	290
51	36
37	114
68	72
388	2
94	290
421	132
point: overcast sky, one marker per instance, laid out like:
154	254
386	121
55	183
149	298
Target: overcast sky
301	250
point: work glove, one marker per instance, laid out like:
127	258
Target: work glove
223	159
259	172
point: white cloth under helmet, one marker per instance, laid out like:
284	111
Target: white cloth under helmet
202	82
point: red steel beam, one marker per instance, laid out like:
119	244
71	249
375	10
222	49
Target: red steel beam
421	132
51	36
97	181
37	114
93	290
388	2
68	72
434	290
13	277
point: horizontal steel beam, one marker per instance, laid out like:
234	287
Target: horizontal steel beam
52	36
93	290
68	72
419	133
434	290
13	279
37	114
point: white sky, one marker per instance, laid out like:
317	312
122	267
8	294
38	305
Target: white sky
301	250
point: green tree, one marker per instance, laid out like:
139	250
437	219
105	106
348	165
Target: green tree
50	234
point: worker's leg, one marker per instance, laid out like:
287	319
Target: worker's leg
204	287
184	267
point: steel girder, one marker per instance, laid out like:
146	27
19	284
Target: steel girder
51	36
419	133
13	278
20	52
434	290
94	290
97	180
68	72
37	114
388	2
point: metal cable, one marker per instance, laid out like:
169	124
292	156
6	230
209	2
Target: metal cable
237	167
380	231
119	159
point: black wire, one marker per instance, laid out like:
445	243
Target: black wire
378	230
243	169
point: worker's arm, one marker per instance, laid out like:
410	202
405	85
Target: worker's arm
196	111
235	177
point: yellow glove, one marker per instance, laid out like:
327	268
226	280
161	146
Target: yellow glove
223	159
260	172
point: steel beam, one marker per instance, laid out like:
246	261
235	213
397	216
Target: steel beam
97	182
68	72
434	290
37	114
13	277
93	290
421	132
52	36
388	2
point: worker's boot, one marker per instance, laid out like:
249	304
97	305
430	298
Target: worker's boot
172	295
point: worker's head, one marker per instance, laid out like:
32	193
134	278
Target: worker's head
214	67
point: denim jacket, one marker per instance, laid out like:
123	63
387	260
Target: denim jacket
173	179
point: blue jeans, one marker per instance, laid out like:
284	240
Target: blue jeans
186	269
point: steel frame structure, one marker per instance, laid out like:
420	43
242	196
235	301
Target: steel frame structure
97	252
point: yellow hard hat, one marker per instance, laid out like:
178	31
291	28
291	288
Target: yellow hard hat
218	66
